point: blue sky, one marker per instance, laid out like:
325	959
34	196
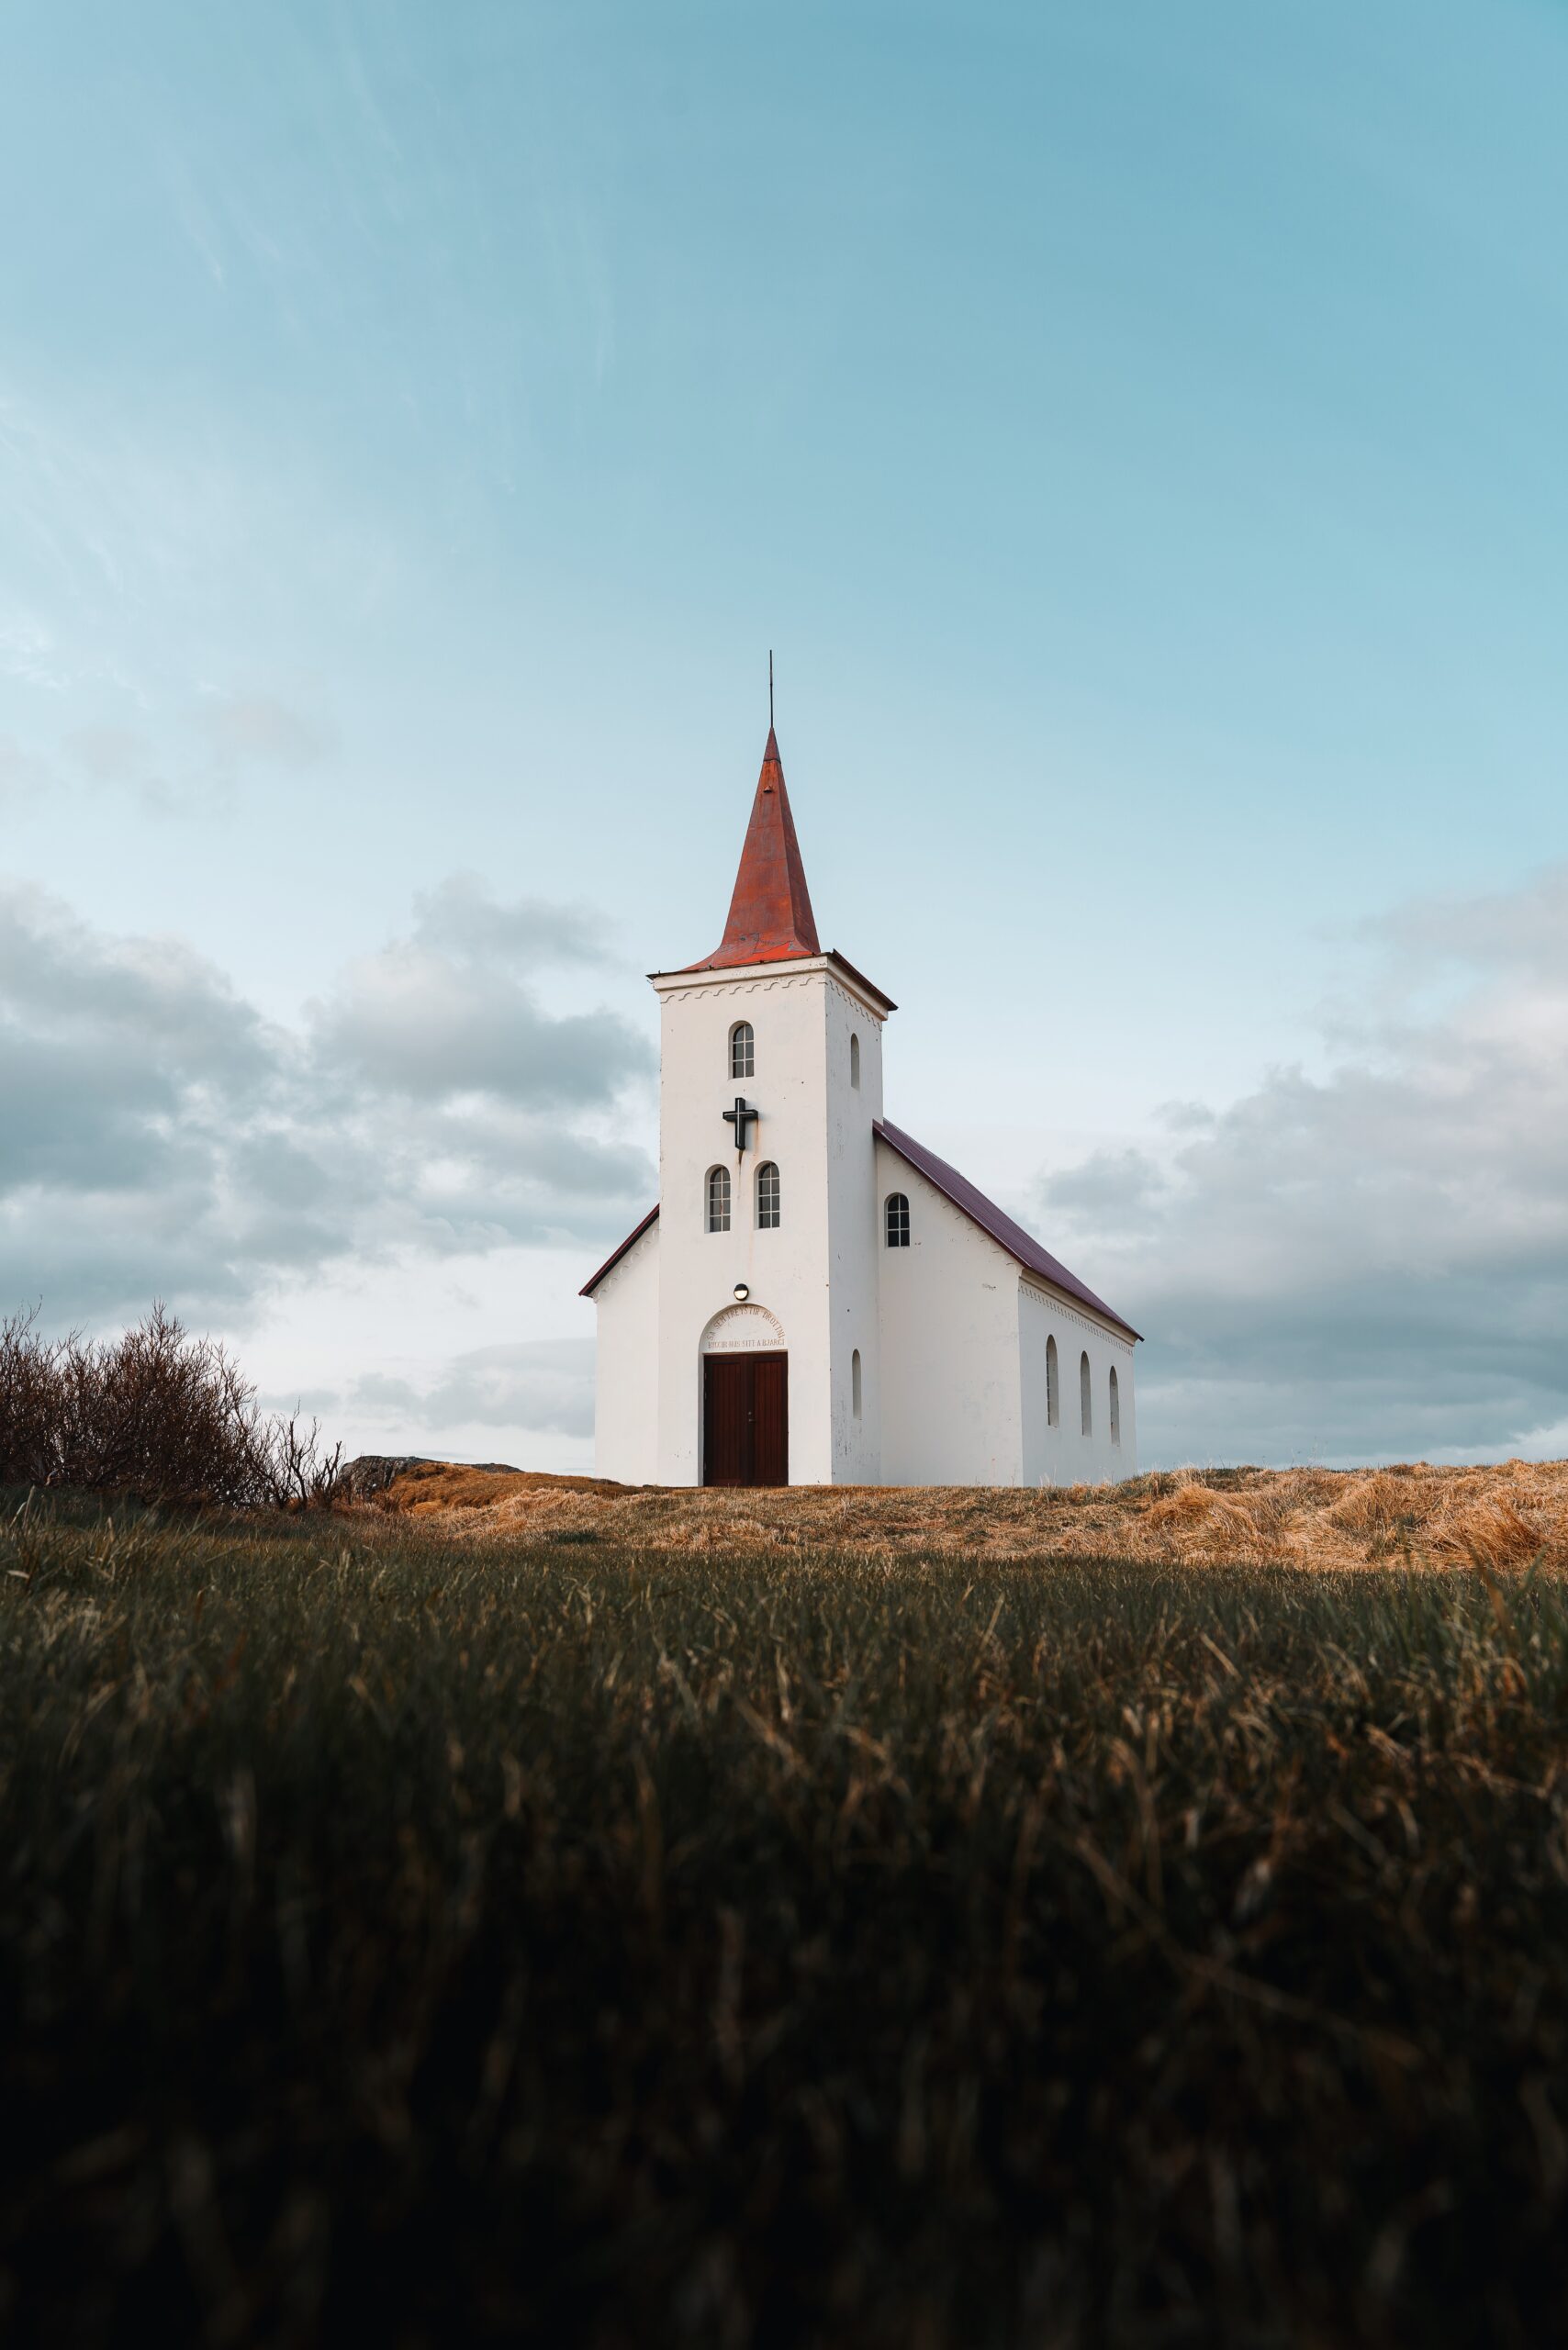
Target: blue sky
1137	431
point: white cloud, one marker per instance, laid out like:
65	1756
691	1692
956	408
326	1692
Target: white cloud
208	753
1374	1263
160	1139
243	729
1369	1263
539	1386
444	1014
20	771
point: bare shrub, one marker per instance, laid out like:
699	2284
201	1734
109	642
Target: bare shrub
156	1414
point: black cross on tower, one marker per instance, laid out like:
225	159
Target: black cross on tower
740	1117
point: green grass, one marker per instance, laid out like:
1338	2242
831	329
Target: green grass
418	1944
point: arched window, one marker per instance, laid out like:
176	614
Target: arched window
743	1050
853	1060
1053	1385
718	1199
767	1197
1085	1400
855	1383
898	1220
1115	1408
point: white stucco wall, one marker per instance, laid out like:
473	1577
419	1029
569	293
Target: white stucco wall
625	1392
815	1274
952	1338
1063	1455
950	1316
855	1319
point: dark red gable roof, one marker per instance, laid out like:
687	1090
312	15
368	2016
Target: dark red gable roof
860	980
615	1255
1019	1244
770	912
1011	1237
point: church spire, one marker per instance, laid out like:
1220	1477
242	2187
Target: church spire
770	912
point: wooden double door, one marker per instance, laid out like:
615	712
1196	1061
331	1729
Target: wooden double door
746	1419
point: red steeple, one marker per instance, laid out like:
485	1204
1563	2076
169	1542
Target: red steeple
770	913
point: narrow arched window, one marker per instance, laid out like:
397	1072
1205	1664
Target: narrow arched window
1053	1385
718	1199
767	1198
855	1383
743	1050
898	1220
1085	1399
1115	1408
855	1060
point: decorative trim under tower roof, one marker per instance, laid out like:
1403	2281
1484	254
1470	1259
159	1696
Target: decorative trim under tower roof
770	912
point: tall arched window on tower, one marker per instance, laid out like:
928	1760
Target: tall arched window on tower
1053	1385
898	1220
1115	1408
855	1383
1085	1400
855	1060
718	1199
767	1197
743	1050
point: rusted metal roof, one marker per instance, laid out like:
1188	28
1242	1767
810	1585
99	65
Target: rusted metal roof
770	912
840	963
1019	1244
615	1255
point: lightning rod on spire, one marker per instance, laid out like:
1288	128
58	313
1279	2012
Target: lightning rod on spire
771	689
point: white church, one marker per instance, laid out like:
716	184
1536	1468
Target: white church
817	1299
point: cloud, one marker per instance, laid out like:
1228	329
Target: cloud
460	918
109	754
159	1138
27	650
1108	1182
20	772
1373	1263
444	1014
150	1000
243	730
226	737
539	1387
1524	929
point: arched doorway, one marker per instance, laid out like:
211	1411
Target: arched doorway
746	1399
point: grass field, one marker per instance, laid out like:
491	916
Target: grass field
420	1939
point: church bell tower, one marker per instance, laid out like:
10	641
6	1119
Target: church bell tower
816	1297
770	1080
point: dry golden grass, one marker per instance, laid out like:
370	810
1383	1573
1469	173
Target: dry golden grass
1496	1517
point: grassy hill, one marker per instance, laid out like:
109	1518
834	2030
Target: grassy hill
1502	1516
